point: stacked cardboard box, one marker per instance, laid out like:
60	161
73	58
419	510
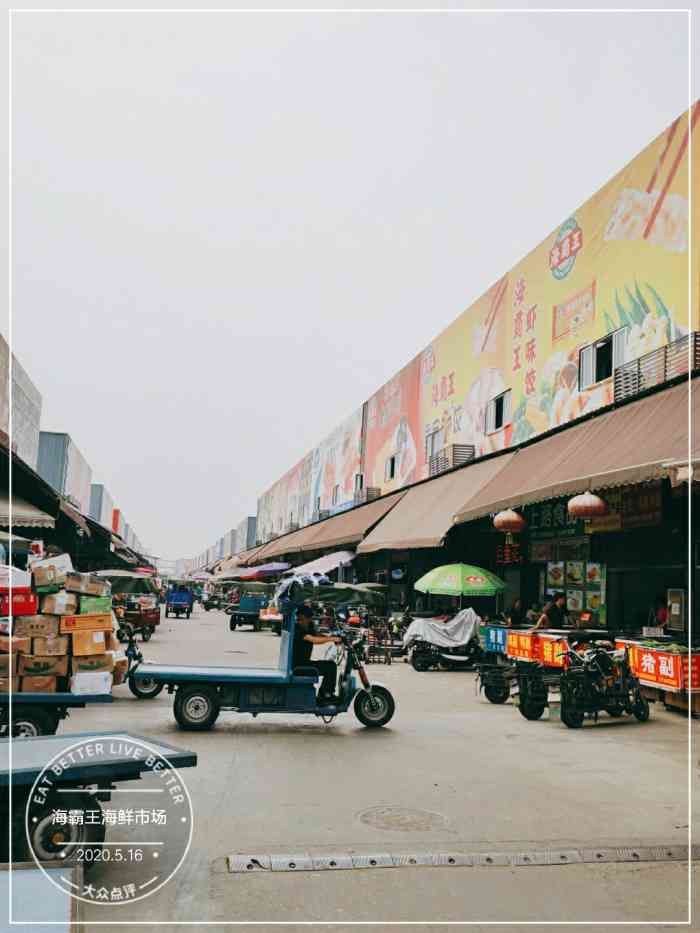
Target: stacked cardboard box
67	642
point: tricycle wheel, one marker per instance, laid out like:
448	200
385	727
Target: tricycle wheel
232	624
374	707
188	613
531	709
615	711
196	708
167	613
497	693
51	841
146	633
29	723
640	709
144	689
572	718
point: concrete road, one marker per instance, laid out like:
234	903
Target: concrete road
450	773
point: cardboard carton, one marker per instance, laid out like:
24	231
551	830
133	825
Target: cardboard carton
59	604
8	664
96	586
24	603
76	582
95	604
34	665
39	684
91	682
9	683
87	643
5	626
94	622
48	577
92	662
120	666
51	645
59	566
43	626
16	644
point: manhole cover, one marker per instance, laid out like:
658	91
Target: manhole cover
402	819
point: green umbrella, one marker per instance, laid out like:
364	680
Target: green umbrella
460	580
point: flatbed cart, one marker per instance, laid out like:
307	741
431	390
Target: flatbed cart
496	672
202	692
35	714
92	778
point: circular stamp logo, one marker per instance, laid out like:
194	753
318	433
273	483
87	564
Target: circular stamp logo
567	243
130	835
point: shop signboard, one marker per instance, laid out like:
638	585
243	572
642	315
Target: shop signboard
551	520
509	554
656	668
552	650
629	507
691	672
495	638
522	645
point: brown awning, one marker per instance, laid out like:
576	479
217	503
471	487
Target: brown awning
24	514
426	512
245	557
345	528
634	443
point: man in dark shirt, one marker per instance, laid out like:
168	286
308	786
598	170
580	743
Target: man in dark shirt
554	614
304	640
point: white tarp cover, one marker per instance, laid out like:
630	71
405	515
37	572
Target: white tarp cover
458	631
327	563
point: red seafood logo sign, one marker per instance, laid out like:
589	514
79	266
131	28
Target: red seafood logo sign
567	244
476	579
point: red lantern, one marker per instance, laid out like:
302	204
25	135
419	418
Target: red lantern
510	522
587	505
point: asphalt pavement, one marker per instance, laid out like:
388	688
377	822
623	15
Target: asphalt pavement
451	773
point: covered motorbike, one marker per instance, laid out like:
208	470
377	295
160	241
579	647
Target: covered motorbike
448	646
600	679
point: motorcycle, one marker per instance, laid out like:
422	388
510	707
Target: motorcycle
599	680
448	646
142	688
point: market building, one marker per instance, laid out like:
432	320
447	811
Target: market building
570	374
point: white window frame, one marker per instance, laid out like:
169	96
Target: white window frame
336	494
490	426
359	482
587	357
433	443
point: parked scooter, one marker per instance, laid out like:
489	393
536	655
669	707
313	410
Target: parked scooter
447	646
142	688
600	679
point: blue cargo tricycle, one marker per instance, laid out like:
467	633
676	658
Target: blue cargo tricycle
202	692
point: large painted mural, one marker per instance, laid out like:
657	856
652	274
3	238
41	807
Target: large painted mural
620	261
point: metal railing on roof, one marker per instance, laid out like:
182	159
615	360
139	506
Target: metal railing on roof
658	366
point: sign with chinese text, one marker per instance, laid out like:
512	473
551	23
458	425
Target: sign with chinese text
509	554
552	650
522	645
495	638
656	668
551	520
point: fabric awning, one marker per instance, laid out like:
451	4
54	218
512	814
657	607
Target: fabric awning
24	515
327	563
426	512
634	443
344	528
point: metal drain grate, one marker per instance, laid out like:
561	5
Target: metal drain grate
242	863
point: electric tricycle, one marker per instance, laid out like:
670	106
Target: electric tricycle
202	692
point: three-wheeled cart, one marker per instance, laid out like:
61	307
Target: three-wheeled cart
36	714
496	671
92	779
202	692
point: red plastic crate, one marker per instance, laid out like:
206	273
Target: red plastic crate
24	603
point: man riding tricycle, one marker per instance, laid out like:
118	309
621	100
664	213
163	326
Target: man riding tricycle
202	692
179	601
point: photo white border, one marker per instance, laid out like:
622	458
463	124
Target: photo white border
401	11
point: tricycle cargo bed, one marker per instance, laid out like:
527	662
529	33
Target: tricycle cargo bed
68	700
185	674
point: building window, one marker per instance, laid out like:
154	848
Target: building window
336	495
498	412
390	468
433	442
359	482
318	504
599	360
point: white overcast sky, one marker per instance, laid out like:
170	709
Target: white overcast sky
230	229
